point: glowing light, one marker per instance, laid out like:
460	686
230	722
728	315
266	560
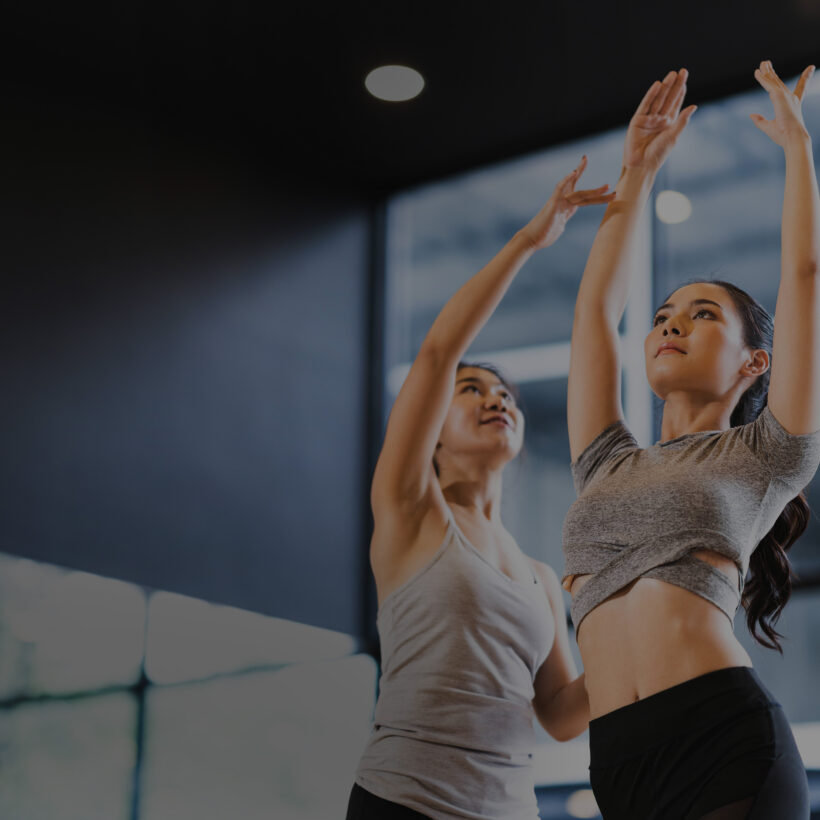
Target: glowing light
394	83
582	803
672	207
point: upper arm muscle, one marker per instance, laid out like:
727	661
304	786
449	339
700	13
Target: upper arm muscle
594	389
404	469
794	389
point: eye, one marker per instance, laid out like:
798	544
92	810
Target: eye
658	319
470	387
705	311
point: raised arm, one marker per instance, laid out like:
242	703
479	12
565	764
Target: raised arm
794	389
593	397
404	473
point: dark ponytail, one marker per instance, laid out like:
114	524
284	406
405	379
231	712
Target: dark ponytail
769	584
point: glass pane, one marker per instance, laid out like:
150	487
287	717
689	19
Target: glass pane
538	488
281	744
189	638
63	631
442	234
792	677
68	760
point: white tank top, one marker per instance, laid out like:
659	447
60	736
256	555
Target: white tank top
453	733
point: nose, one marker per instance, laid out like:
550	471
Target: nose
671	327
496	402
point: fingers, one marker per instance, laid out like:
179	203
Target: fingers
568	182
646	103
593	196
767	77
589	196
663	93
683	119
674	99
800	88
766	126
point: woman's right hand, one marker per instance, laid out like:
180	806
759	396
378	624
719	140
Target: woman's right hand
549	223
657	123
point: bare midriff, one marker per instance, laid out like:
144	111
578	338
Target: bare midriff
651	635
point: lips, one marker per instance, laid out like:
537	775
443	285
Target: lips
502	419
669	346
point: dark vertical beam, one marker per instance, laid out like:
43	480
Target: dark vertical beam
374	413
661	182
139	745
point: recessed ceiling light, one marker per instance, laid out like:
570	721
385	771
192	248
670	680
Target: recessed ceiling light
672	207
394	83
581	803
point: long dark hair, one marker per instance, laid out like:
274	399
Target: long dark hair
769	584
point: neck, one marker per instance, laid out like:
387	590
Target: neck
475	488
684	413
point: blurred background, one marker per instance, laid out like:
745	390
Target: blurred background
221	255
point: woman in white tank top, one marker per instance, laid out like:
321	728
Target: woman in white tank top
473	632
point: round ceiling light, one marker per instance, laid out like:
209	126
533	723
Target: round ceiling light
673	207
394	83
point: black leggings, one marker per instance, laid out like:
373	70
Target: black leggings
717	747
366	806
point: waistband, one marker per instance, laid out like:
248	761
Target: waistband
702	701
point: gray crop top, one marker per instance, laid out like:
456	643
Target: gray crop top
641	512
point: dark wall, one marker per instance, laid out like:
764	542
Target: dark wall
183	364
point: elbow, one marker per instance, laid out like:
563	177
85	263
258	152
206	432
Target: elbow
561	725
432	353
561	730
597	312
808	268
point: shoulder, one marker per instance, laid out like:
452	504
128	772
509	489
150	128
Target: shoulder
613	441
401	530
792	458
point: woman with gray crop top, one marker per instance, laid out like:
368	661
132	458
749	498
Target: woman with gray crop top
473	635
660	539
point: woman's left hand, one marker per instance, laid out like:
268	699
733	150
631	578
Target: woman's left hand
549	223
788	111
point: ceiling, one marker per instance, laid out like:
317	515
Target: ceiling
281	86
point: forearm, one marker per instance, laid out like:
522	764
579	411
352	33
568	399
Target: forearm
800	234
566	714
473	303
605	281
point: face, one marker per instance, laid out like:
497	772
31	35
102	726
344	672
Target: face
483	418
696	345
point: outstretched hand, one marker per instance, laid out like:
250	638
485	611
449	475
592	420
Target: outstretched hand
549	223
788	111
657	122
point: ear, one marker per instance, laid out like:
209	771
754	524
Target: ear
757	364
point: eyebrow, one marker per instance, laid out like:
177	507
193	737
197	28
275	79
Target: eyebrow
478	381
691	304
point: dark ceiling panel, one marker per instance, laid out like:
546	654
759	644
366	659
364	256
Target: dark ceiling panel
282	86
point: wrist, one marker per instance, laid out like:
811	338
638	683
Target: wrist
523	242
798	138
636	181
641	173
